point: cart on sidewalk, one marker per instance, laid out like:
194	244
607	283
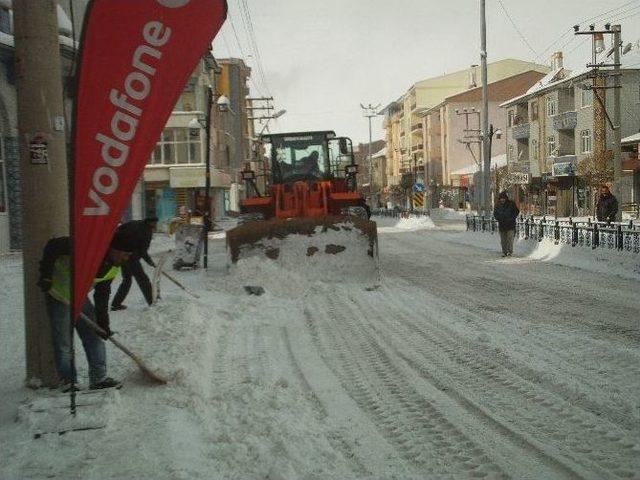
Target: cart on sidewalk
189	244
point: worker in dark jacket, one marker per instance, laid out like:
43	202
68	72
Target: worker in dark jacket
139	233
607	206
55	282
505	213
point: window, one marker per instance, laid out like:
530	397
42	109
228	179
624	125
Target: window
585	141
510	155
535	150
177	146
586	98
534	110
551	146
5	21
511	118
552	107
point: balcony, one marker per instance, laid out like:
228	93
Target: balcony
521	131
565	121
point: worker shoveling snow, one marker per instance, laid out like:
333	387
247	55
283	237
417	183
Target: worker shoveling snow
327	249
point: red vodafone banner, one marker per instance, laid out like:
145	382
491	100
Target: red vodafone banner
136	58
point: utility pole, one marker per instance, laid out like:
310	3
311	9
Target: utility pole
617	118
207	181
616	123
370	111
484	124
474	136
43	163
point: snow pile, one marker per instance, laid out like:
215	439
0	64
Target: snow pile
449	214
411	224
342	254
622	264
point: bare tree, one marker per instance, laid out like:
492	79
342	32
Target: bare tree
596	170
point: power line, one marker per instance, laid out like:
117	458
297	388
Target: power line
627	12
235	33
570	30
584	40
248	24
516	27
624	18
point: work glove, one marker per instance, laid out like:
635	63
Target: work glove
44	284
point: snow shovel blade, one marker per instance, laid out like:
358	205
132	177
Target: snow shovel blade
343	247
143	367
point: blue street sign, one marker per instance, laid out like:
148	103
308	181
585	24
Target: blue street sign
418	187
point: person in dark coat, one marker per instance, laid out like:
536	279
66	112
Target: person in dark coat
55	283
505	213
139	233
607	206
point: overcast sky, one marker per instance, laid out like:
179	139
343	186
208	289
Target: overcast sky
321	59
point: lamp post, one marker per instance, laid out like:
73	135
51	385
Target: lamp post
194	124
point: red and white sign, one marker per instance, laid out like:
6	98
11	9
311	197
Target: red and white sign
136	58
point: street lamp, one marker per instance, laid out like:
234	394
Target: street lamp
224	104
194	124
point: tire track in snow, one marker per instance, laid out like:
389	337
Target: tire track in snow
622	363
371	448
336	439
583	445
410	421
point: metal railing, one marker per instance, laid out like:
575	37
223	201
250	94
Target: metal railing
622	236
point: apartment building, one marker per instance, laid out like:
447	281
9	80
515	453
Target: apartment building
418	125
175	178
556	125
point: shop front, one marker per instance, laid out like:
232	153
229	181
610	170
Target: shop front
178	191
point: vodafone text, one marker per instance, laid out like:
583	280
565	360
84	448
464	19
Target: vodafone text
124	123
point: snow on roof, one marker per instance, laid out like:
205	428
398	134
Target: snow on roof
380	153
635	138
552	81
552	76
497	161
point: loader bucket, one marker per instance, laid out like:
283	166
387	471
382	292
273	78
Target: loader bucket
341	247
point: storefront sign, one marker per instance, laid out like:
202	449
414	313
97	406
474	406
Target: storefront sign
563	169
519	178
187	177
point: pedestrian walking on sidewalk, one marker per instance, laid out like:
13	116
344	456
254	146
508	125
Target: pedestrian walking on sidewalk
55	281
607	206
139	234
505	213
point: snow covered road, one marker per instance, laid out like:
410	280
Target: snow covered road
460	364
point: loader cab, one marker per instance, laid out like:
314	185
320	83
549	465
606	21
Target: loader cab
308	156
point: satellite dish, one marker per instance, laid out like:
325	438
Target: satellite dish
627	48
